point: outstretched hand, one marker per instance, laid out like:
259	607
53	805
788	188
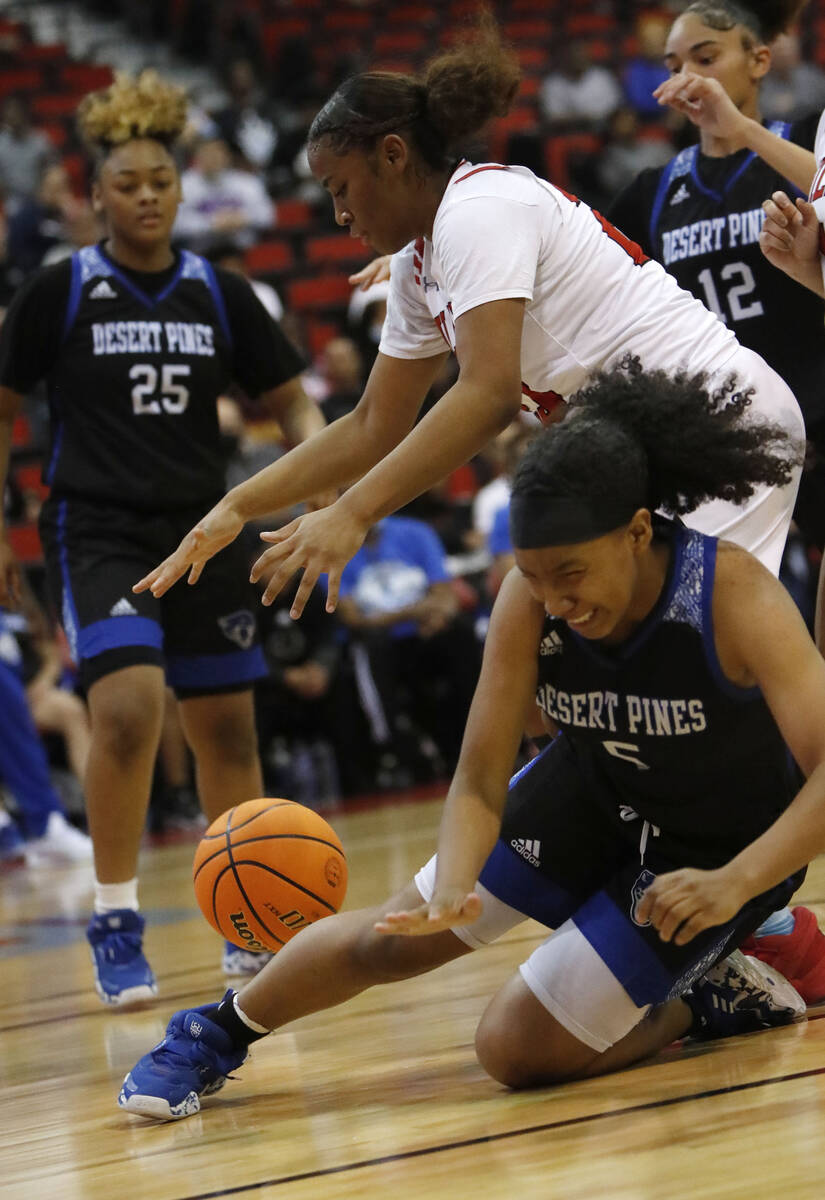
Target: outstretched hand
315	543
217	529
682	903
442	912
704	102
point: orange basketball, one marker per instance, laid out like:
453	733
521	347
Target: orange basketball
266	869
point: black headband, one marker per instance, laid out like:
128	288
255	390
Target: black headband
538	520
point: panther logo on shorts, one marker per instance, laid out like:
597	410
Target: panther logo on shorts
239	627
636	892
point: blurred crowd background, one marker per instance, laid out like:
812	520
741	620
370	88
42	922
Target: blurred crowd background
374	699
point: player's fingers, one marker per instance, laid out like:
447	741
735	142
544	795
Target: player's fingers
693	925
277	536
333	588
807	212
670	921
195	572
308	581
269	559
279	578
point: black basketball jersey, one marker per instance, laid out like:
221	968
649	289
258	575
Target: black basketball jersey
135	374
701	218
658	730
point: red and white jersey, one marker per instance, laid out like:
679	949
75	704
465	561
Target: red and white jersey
592	295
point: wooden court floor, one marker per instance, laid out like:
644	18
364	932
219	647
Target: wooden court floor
380	1098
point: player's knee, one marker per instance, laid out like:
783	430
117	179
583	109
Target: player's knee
124	727
229	737
500	1053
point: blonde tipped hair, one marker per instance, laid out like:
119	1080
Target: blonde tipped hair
142	107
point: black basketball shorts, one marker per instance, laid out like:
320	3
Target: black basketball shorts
205	637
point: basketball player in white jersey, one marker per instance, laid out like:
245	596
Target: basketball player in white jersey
532	289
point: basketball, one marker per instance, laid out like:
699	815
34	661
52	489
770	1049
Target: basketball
267	868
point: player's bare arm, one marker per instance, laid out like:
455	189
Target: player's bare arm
10	403
761	641
334	456
704	101
790	240
484	399
471	820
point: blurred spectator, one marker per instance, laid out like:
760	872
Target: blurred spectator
416	655
340	377
219	202
365	318
228	256
82	226
296	704
245	123
500	458
501	549
792	89
625	154
174	801
43	220
24	151
578	92
646	70
245	454
9	278
47	837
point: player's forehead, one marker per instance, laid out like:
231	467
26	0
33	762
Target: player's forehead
689	35
330	167
138	156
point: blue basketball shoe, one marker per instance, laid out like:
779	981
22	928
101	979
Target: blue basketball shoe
741	995
122	974
193	1060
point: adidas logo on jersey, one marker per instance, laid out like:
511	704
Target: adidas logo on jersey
679	195
528	848
552	644
103	291
123	609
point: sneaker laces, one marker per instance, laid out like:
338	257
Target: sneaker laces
119	945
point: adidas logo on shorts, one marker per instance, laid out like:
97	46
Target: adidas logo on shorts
552	644
123	609
103	291
528	848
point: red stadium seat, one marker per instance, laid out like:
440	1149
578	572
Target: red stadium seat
85	77
42	53
54	106
21	434
407	41
293	214
29	479
325	291
528	31
335	248
24	79
56	133
558	150
25	542
338	20
270	257
413	14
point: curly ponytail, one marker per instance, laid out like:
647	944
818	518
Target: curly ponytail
454	96
636	439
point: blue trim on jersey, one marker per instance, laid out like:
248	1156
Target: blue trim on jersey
70	621
111	633
730	689
528	766
510	878
75	290
686	163
623	949
218	670
138	293
217	298
57	443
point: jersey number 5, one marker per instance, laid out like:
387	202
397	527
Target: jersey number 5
627	752
174	395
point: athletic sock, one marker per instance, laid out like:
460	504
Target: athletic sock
241	1028
778	922
111	896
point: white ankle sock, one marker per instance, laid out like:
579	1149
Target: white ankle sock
109	896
